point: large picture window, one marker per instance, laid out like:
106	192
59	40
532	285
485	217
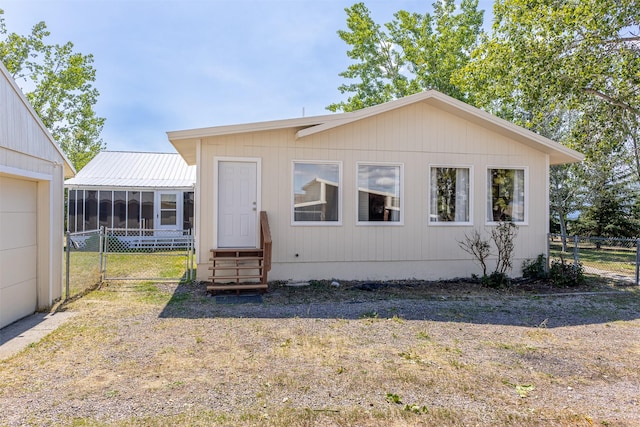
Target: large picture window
506	195
316	193
379	193
450	195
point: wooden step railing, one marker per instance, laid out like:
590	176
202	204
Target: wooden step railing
265	242
242	268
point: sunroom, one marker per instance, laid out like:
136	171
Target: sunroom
138	194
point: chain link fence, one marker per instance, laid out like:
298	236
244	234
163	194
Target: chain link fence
83	261
160	255
617	258
92	257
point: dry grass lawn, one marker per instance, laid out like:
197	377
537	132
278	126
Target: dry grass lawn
145	354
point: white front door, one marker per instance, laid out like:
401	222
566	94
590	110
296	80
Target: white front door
168	210
237	204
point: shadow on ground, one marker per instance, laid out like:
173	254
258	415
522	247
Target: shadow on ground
411	302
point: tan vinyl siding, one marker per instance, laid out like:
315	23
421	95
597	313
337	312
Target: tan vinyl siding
416	136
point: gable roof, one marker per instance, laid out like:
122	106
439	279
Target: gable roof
185	141
135	170
69	170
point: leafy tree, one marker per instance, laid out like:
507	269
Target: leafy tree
545	55
564	196
610	204
570	70
412	53
58	83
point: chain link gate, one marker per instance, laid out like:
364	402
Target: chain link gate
161	255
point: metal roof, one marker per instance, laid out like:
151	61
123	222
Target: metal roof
137	170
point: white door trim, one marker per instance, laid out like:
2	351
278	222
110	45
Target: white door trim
216	168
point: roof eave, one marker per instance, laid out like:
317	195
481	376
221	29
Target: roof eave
193	134
186	141
559	154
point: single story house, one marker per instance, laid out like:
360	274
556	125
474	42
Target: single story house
386	192
136	193
32	172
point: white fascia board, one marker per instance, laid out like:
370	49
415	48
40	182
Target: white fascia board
249	127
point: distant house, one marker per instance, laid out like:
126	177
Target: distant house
133	192
386	192
32	172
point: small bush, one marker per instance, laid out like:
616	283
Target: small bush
478	247
535	269
566	275
503	236
496	280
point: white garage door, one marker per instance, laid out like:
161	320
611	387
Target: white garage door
18	297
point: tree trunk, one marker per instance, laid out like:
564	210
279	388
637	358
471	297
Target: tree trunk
563	231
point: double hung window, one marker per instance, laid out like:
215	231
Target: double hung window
506	195
450	199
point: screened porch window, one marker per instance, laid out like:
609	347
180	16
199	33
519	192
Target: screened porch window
188	206
316	193
119	209
90	209
506	195
450	195
106	209
133	209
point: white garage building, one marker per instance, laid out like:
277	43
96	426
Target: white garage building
32	172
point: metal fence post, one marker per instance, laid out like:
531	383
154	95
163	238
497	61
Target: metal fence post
100	251
637	261
191	254
576	254
68	263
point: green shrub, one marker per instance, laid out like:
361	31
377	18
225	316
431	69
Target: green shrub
496	280
535	269
566	275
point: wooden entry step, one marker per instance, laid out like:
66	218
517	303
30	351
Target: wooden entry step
237	269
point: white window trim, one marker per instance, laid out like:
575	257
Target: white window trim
340	202
402	201
526	193
471	196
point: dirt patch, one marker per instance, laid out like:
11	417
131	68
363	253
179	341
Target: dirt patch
362	353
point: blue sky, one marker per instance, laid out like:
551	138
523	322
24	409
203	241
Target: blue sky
173	65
